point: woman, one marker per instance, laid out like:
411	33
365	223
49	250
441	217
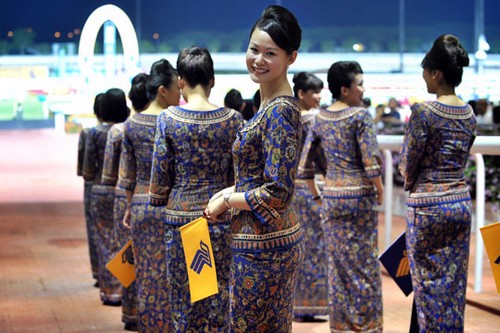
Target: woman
435	150
144	220
345	134
137	96
191	162
87	189
266	238
114	110
311	295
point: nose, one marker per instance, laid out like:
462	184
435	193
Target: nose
259	58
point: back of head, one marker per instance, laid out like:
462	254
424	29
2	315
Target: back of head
98	105
162	73
306	81
448	56
114	106
233	100
342	74
282	26
138	94
195	66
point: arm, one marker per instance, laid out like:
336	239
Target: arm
90	157
162	169
112	156
413	148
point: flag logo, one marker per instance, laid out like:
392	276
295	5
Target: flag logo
128	256
404	266
201	258
497	261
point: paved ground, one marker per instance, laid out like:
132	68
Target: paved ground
45	280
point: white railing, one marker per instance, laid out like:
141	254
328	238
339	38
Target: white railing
483	145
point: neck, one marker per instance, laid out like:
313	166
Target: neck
268	92
197	98
153	108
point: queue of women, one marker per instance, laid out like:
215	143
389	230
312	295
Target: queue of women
289	195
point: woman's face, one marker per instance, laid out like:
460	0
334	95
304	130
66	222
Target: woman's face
354	96
265	60
310	98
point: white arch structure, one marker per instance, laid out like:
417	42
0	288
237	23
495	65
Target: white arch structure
89	35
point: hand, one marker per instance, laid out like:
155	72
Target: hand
126	218
380	197
215	210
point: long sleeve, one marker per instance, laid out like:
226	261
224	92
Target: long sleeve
127	171
89	169
162	170
280	137
112	153
413	148
368	145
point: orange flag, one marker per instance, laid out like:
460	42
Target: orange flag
199	259
122	265
491	237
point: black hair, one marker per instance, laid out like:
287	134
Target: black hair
448	56
138	93
98	105
282	26
256	99
195	66
341	74
233	100
114	106
306	81
162	73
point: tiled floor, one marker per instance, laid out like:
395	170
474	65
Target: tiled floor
45	280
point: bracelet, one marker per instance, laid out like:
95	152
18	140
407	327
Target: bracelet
226	199
318	197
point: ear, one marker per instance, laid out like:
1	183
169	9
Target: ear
437	75
292	57
182	83
301	94
212	83
344	91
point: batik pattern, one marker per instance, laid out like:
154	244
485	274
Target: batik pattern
311	294
267	248
122	234
348	142
191	162
147	228
87	187
101	203
435	150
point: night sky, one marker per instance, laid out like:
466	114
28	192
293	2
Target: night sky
168	17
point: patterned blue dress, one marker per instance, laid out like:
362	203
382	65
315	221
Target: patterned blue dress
311	294
87	188
101	205
266	241
434	153
192	161
347	139
122	233
147	228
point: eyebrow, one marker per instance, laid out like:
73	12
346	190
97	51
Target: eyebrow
267	48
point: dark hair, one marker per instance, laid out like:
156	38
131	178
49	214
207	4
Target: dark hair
98	105
162	73
448	56
282	26
114	106
341	74
233	100
306	81
138	93
195	66
247	111
256	99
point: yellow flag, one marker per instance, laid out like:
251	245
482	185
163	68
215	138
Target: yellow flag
491	235
199	259
122	265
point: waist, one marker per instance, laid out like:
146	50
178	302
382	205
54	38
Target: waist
278	240
436	198
348	191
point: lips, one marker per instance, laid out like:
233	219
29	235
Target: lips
258	70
